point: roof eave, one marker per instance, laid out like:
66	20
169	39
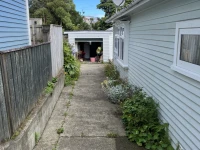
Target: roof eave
126	11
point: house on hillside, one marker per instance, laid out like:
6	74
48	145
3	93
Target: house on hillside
157	47
14	24
89	41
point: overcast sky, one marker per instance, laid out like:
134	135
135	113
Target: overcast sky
89	7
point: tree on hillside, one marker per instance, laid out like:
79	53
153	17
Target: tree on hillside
60	12
101	24
109	7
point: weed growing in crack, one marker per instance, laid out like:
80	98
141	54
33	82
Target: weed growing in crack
112	135
68	104
65	114
37	137
71	94
82	134
60	130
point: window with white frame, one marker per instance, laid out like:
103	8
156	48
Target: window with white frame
121	42
187	49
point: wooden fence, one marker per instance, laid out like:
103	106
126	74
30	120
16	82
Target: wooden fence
24	73
56	38
54	34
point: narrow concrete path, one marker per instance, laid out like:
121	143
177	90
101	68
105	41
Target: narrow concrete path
86	116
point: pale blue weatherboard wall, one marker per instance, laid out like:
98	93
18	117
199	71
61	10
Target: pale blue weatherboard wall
151	50
13	24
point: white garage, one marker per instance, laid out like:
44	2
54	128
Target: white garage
88	41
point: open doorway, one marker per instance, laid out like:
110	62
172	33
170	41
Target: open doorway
88	49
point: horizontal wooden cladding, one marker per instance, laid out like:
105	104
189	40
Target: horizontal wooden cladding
167	113
178	120
9	18
14	34
162	38
159	32
18	3
25	74
15	44
12	14
161	67
12	6
175	12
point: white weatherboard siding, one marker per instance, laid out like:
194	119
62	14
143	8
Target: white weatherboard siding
107	37
14	31
151	50
122	71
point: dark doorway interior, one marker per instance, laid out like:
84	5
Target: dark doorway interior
93	48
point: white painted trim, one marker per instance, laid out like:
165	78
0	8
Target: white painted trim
122	64
28	22
186	72
185	68
125	37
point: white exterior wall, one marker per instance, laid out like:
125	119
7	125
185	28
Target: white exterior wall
106	36
151	50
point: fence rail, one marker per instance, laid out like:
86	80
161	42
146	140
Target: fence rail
23	75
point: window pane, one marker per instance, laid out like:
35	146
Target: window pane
118	46
190	49
115	43
122	49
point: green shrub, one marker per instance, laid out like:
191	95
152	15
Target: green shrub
140	116
111	71
116	90
71	65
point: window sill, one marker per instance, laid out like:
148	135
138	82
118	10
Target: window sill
186	72
122	64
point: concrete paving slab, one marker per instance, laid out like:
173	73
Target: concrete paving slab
86	143
90	117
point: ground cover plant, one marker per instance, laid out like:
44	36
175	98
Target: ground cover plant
71	66
140	112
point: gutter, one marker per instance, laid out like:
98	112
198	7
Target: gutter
132	6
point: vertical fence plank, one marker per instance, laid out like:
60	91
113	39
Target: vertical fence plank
4	124
23	75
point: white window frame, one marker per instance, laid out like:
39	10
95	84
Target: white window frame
183	67
124	25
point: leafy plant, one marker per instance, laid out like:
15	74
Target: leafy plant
54	80
15	135
37	137
140	116
116	91
50	87
60	130
111	72
71	65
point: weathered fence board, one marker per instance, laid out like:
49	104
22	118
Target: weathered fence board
25	73
4	127
54	34
56	38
